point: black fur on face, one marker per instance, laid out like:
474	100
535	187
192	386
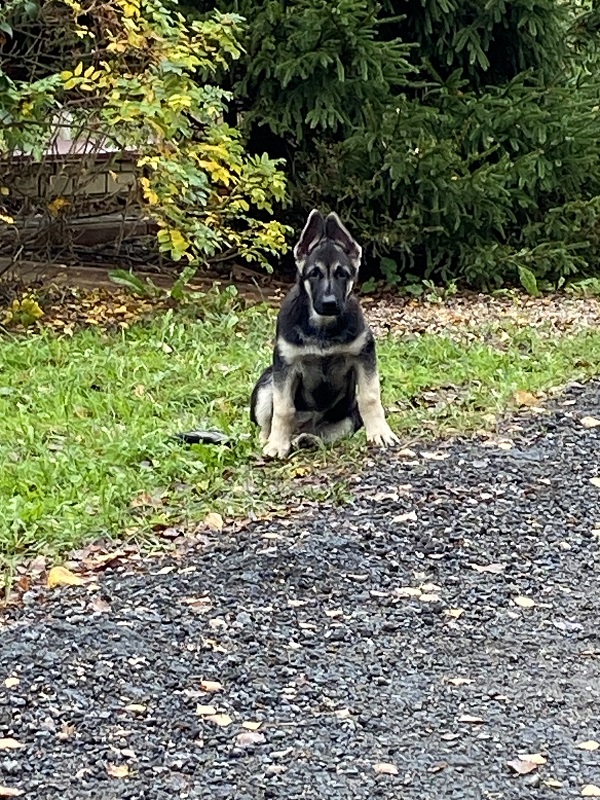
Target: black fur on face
328	259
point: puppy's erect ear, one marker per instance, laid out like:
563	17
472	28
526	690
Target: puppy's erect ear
334	229
313	232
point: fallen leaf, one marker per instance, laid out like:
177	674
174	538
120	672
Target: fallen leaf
590	744
494	569
407	591
590	790
455	613
11	682
222	720
523	602
117	771
214	521
249	739
439	767
471	719
100	605
65	732
136	708
525	399
332	613
460	681
595	482
435	456
251	726
198	603
205	711
551	783
211	686
9	791
10	744
429	598
410	516
590	422
407	453
383	768
60	576
533	758
522	767
102	560
140	390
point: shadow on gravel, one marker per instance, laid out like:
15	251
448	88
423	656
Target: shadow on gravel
442	624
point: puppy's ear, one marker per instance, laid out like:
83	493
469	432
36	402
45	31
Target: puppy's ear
313	232
334	229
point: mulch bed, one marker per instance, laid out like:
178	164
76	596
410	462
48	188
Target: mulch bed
436	638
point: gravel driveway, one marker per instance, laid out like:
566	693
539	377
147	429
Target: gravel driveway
407	645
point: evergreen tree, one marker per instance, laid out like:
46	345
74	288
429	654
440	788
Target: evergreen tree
461	139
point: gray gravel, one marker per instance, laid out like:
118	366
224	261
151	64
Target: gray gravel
308	625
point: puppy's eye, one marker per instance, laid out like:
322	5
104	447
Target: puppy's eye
342	273
314	273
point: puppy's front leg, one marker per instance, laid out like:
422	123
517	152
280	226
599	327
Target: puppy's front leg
369	398
282	424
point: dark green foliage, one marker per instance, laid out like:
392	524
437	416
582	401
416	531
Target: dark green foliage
461	138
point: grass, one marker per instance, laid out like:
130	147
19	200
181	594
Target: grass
85	449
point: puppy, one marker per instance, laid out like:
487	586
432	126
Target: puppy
323	381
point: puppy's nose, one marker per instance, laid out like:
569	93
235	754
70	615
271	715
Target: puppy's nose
329	305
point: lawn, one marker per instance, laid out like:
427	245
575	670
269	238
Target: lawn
86	452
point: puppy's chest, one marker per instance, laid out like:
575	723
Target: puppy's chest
331	370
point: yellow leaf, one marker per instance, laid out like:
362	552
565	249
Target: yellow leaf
251	726
222	720
590	744
5	218
89	72
78	69
60	576
10	744
136	708
524	602
117	771
211	686
590	790
205	711
214	521
525	399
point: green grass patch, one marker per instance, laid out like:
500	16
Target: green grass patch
85	449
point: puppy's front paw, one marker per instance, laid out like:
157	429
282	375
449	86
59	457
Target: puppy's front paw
382	436
277	448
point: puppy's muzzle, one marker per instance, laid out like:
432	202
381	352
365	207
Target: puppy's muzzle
329	306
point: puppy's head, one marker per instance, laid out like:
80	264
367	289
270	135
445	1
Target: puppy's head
328	259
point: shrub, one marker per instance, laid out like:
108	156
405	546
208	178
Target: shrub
134	75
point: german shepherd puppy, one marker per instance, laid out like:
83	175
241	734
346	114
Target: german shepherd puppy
323	382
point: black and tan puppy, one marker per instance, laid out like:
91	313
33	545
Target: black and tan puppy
323	381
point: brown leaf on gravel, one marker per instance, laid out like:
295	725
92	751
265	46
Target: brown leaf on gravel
523	398
136	708
102	560
205	711
534	758
455	613
383	768
551	783
211	686
11	682
65	732
590	744
60	576
250	739
214	521
471	720
251	726
10	791
222	720
100	605
590	790
438	767
595	482
199	604
10	744
522	767
117	770
494	569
